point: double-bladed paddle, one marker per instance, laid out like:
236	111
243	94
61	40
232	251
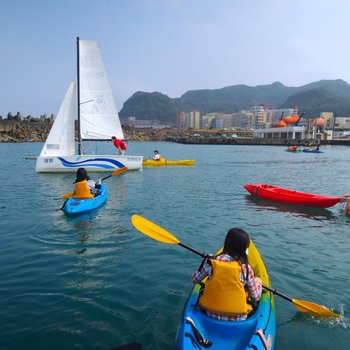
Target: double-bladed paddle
115	172
160	234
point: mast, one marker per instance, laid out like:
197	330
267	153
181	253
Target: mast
78	97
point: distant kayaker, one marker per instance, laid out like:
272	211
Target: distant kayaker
157	156
231	289
119	144
84	186
295	148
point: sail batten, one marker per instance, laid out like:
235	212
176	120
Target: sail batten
99	118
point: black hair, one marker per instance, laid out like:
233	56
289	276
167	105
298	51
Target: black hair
236	243
82	175
156	151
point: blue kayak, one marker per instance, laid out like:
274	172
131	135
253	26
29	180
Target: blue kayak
312	151
77	206
257	332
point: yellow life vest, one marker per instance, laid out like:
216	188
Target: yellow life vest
82	190
223	291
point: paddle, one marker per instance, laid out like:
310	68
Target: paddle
115	172
160	234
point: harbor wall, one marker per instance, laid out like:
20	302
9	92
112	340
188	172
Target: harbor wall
37	131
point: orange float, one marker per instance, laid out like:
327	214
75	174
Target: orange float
319	122
280	124
291	119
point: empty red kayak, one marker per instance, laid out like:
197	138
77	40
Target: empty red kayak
284	195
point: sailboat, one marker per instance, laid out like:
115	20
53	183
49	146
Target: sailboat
91	102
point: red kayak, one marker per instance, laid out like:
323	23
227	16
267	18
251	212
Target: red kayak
284	195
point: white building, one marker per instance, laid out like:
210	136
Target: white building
287	133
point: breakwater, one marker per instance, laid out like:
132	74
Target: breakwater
253	141
37	131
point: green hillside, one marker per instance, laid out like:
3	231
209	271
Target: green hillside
315	101
313	98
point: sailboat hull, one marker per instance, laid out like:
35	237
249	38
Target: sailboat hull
92	163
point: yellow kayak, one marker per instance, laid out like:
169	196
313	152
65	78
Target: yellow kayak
161	162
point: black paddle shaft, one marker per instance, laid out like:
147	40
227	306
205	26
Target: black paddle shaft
274	291
193	250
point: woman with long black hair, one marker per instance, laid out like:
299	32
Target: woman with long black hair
231	289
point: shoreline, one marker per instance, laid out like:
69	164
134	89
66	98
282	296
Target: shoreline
16	131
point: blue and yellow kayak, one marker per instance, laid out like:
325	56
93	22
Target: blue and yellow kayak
256	332
77	206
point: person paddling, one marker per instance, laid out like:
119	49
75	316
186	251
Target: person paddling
231	289
157	156
84	186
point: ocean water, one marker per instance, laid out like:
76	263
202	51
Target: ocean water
95	282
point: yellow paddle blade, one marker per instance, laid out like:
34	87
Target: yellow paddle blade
308	306
152	230
119	171
68	195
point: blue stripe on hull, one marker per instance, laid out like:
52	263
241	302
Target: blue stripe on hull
87	163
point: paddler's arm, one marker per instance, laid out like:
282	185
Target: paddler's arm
203	271
253	285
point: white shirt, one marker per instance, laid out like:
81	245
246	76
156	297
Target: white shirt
91	184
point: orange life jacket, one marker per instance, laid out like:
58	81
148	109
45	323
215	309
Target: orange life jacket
224	292
82	190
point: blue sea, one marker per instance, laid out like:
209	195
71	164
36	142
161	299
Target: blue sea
95	282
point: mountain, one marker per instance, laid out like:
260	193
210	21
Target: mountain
313	98
315	101
150	106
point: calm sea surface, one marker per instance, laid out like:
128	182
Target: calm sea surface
95	282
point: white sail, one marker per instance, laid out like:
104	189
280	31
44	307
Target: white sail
61	139
99	118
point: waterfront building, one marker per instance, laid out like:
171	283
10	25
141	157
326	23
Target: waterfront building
286	133
181	120
207	121
189	119
259	119
142	123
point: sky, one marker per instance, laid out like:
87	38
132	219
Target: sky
168	46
